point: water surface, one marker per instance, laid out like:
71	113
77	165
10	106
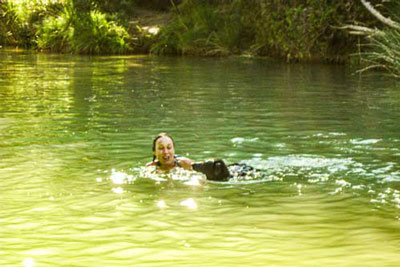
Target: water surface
75	132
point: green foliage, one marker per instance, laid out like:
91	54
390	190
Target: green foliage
163	5
200	29
85	33
303	30
93	34
384	52
56	32
11	27
19	23
59	26
290	32
123	8
293	30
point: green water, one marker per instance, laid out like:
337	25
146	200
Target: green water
75	132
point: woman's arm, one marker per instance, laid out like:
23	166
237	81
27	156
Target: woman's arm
184	163
151	163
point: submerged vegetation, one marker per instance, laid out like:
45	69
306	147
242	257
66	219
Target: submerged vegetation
294	30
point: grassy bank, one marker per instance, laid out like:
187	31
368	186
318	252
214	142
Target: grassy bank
382	51
71	26
294	30
291	30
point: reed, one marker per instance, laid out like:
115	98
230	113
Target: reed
383	52
382	49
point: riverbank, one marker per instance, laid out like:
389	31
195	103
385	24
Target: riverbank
66	27
296	31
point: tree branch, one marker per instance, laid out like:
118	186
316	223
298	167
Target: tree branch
360	30
379	16
370	67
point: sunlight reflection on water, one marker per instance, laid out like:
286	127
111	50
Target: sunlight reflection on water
75	133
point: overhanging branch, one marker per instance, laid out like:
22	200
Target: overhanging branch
379	16
360	30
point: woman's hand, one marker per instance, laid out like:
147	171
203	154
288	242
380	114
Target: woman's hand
185	163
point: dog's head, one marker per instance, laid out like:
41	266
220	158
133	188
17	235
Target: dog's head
214	169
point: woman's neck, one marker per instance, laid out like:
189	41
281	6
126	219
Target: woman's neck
166	167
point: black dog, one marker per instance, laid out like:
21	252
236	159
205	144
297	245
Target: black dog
215	170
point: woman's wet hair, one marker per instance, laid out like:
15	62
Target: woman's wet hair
158	137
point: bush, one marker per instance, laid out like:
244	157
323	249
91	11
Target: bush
56	32
10	25
201	29
84	33
304	29
93	34
19	24
293	30
60	27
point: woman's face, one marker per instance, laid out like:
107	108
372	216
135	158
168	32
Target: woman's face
165	151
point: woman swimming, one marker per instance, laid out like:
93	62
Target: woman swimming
164	159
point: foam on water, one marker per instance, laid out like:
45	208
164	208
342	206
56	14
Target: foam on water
303	161
118	177
364	142
240	140
187	177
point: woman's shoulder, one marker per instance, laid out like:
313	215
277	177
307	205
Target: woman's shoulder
151	163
